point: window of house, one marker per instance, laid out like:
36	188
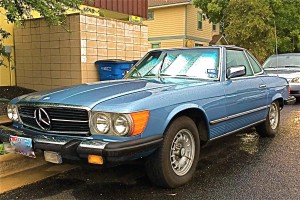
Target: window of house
155	45
214	27
150	15
200	19
198	45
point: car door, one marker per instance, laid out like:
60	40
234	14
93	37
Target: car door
245	96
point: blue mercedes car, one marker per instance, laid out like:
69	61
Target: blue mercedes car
168	105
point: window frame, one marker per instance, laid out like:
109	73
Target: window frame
247	60
155	43
198	20
214	27
152	16
249	55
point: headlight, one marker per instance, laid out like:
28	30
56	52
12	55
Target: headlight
295	80
119	124
12	112
122	124
101	123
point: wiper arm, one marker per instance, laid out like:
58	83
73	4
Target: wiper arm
137	71
160	67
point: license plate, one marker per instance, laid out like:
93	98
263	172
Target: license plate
22	145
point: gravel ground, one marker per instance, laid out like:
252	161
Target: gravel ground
10	92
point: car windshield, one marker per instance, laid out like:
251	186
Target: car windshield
202	63
283	61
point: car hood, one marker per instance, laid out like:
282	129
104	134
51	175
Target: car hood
282	72
89	95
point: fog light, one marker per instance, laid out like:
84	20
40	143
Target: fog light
95	159
52	157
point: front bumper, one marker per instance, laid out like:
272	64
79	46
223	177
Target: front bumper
79	149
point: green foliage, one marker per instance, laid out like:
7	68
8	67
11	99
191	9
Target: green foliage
2	150
251	23
18	10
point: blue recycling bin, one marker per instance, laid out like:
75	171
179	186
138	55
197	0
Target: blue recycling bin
113	69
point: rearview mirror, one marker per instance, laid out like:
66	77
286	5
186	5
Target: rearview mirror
236	71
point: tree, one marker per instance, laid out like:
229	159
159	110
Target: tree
248	25
16	11
251	23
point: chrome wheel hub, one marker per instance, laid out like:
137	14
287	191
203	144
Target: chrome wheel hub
273	116
182	152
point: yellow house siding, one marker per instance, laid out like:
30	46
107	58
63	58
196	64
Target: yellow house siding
192	25
7	76
167	22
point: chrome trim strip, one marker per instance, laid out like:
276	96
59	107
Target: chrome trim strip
28	116
239	129
51	140
93	144
67	120
237	115
57	132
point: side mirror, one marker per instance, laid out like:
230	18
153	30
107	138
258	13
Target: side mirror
236	71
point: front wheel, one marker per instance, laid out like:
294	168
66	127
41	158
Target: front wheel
174	163
270	126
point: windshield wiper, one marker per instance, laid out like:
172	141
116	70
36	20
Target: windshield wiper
137	71
160	67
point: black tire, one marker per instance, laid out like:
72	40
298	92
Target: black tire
267	128
159	168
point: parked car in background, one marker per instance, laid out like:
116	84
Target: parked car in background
287	66
169	104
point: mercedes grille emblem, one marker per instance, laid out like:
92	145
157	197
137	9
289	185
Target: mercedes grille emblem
42	119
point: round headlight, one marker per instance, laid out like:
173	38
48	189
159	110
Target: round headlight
101	123
10	112
122	125
15	114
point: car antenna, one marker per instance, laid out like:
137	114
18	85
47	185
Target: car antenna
276	47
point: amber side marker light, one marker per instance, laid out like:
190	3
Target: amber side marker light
140	120
95	159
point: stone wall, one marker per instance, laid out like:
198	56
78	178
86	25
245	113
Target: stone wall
51	57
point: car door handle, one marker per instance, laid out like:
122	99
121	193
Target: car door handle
262	86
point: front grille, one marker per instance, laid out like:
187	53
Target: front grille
63	120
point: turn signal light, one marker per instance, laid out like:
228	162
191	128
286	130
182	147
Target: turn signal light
140	120
95	159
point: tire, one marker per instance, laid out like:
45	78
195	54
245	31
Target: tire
270	126
180	148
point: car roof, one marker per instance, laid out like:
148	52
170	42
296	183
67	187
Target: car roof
202	47
286	54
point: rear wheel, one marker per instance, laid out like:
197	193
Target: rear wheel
174	163
270	126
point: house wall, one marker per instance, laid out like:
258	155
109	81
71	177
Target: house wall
167	22
51	57
7	76
176	26
193	33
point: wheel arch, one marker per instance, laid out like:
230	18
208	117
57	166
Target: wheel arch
197	114
279	98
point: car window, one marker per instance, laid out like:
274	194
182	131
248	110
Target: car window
255	66
193	63
235	58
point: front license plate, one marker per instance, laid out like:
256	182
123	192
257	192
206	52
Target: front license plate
22	145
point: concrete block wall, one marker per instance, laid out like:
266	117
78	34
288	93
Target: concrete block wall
103	39
51	57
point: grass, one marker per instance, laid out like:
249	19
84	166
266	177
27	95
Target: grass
2	151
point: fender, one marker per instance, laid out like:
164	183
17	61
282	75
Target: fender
276	96
181	108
